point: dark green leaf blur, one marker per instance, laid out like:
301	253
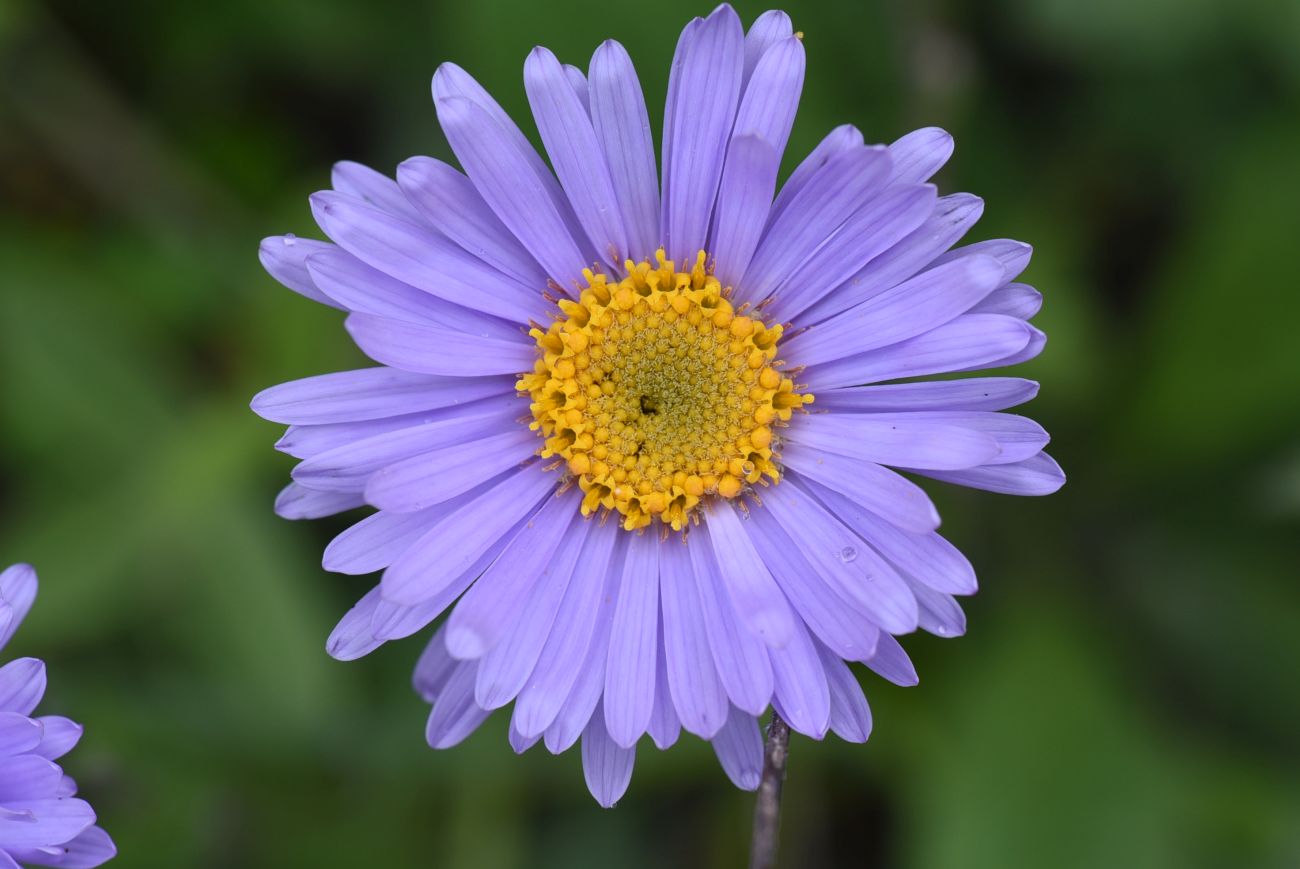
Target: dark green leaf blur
1128	693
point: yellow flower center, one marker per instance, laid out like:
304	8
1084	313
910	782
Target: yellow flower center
657	393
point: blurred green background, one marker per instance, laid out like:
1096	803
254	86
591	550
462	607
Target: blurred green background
1129	690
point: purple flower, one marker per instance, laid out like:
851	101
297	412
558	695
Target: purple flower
41	821
631	424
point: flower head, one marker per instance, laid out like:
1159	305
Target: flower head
640	431
41	821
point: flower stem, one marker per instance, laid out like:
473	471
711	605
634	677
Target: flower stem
767	809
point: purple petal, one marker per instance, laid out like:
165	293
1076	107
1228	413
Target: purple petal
757	598
920	154
1014	300
296	501
493	603
578	81
912	308
697	693
446	550
451	81
876	227
839	140
634	637
346	468
434	668
745	194
448	201
971	341
18	586
558	664
18	733
575	152
939	613
455	715
27	776
975	393
800	685
665	727
376	541
22	684
1037	340
850	714
285	258
768	29
829	615
926	558
1040	475
500	169
1018	437
841	559
739	655
618	114
704	90
895	439
875	487
415	254
90	848
369	291
440	475
42	822
376	188
739	747
830	197
60	735
583	699
606	765
370	393
891	662
352	637
505	669
772	94
1013	255
953	216
518	742
431	350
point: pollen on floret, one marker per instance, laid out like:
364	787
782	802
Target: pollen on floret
657	394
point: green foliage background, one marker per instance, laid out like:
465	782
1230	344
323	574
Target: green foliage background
1128	692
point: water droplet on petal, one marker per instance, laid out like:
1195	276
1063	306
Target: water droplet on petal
289	239
847	554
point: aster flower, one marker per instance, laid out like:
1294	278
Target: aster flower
640	429
42	823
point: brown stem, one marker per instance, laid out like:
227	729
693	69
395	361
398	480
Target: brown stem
767	809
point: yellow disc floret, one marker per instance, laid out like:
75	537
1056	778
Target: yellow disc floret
656	393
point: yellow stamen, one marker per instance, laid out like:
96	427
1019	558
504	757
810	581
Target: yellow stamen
658	394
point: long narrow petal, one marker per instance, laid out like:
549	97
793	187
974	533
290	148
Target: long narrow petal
455	715
575	152
919	154
912	308
665	727
739	747
431	350
18	585
491	605
606	765
926	558
371	186
892	663
874	228
634	640
967	343
841	558
376	541
298	502
843	138
448	201
1040	475
739	655
768	29
285	258
456	542
875	487
440	475
850	714
558	664
499	168
704	94
895	440
1018	437
697	693
771	97
1015	300
973	393
618	113
415	254
744	197
369	393
756	597
953	216
799	685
